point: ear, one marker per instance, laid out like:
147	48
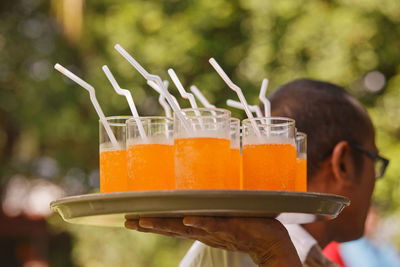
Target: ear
342	164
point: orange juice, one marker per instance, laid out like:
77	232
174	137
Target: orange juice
202	163
269	166
113	174
234	169
241	171
151	167
301	175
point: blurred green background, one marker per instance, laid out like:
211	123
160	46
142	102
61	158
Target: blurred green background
49	129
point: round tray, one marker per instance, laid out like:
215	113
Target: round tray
112	209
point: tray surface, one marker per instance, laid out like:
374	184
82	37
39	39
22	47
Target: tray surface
112	209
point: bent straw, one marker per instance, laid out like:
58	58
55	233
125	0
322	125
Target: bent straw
157	80
203	100
264	99
238	91
166	84
158	90
163	102
93	98
128	97
165	106
182	90
257	110
238	105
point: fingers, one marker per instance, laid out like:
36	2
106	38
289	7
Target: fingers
132	224
208	224
260	237
222	229
175	228
237	232
171	225
135	225
222	224
165	226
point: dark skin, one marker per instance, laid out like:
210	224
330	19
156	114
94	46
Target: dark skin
342	178
266	240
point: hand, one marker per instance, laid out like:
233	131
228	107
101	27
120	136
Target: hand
265	240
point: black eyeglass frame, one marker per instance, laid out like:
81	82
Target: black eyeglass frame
374	156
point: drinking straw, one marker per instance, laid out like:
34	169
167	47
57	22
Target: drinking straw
264	99
93	98
165	106
182	90
238	105
128	97
158	90
257	110
183	93
238	91
157	80
163	102
203	100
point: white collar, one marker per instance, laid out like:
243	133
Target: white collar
302	240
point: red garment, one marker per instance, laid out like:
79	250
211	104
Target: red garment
332	252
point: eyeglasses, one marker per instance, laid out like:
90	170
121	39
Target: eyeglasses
380	163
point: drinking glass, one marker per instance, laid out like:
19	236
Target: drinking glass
202	149
235	162
150	160
269	154
301	162
113	173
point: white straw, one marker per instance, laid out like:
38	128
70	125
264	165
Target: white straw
93	98
264	99
157	80
128	97
158	90
257	110
165	106
182	90
238	91
183	93
203	100
238	105
163	102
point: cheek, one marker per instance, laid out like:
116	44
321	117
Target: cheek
366	188
367	178
370	180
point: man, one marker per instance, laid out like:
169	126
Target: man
341	158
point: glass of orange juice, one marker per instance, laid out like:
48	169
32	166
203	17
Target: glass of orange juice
150	160
235	169
269	154
202	149
113	173
301	162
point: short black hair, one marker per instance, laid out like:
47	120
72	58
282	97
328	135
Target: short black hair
327	113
